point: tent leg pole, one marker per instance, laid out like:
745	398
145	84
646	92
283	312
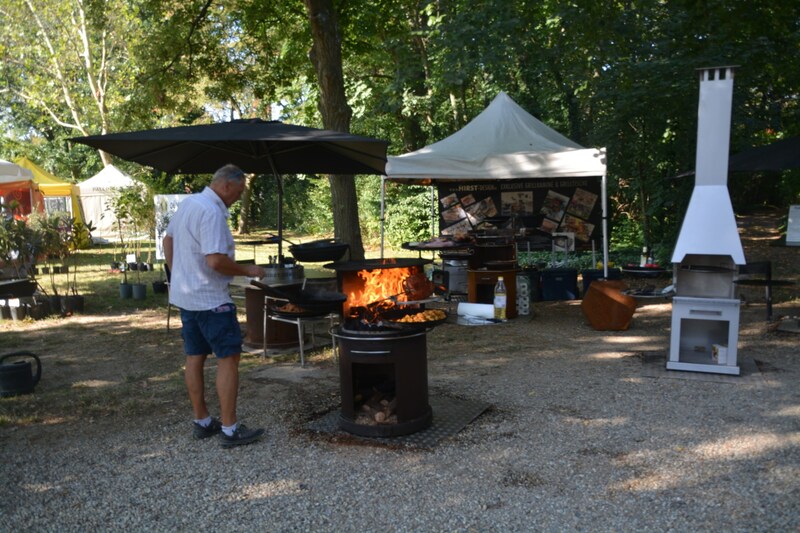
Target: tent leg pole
434	233
604	201
383	208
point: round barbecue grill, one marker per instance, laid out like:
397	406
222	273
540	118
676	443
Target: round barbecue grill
371	264
384	381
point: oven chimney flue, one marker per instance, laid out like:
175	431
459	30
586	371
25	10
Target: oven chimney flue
714	125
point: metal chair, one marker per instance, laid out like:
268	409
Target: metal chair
300	322
763	269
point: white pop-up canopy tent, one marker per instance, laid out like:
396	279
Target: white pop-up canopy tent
504	142
96	194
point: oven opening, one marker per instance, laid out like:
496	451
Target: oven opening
374	394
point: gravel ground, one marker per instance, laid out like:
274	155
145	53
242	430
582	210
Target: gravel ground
577	437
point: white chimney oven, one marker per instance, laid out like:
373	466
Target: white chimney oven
705	308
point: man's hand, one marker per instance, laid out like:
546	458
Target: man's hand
226	266
255	271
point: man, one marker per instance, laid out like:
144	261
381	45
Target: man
199	251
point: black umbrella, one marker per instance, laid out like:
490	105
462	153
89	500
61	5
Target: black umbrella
254	145
780	155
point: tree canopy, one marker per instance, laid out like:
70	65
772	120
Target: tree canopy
616	74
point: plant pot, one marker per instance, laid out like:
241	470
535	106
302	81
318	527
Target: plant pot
125	291
139	291
19	312
115	265
159	287
55	304
45	270
5	312
39	309
71	304
133	266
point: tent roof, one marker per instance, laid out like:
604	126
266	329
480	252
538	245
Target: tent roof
10	172
48	183
40	175
106	180
503	142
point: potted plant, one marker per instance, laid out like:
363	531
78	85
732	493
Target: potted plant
78	236
19	243
53	249
120	206
137	215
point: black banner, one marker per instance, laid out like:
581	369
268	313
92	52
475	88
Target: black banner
564	205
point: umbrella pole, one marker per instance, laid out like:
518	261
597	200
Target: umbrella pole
279	182
280	219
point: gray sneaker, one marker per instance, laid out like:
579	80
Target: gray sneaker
241	436
204	432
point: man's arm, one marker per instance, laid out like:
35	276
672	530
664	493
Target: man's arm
227	267
166	243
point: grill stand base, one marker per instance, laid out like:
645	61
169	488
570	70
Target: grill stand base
697	325
390	430
395	362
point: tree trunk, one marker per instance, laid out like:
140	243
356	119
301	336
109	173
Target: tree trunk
326	56
245	213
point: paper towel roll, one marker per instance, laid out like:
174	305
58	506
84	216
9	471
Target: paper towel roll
479	310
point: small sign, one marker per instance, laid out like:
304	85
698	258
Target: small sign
793	227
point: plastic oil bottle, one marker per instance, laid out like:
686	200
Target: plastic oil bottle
500	299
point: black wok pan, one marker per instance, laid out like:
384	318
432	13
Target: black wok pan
319	251
312	300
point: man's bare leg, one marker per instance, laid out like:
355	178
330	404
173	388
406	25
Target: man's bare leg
195	384
228	387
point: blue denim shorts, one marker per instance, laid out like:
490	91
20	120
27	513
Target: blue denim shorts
216	331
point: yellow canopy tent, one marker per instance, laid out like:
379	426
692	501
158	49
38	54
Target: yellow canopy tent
59	195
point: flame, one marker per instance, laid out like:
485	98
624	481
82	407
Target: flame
371	286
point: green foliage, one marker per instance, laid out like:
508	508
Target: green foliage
368	189
408	216
19	242
134	210
614	75
57	237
